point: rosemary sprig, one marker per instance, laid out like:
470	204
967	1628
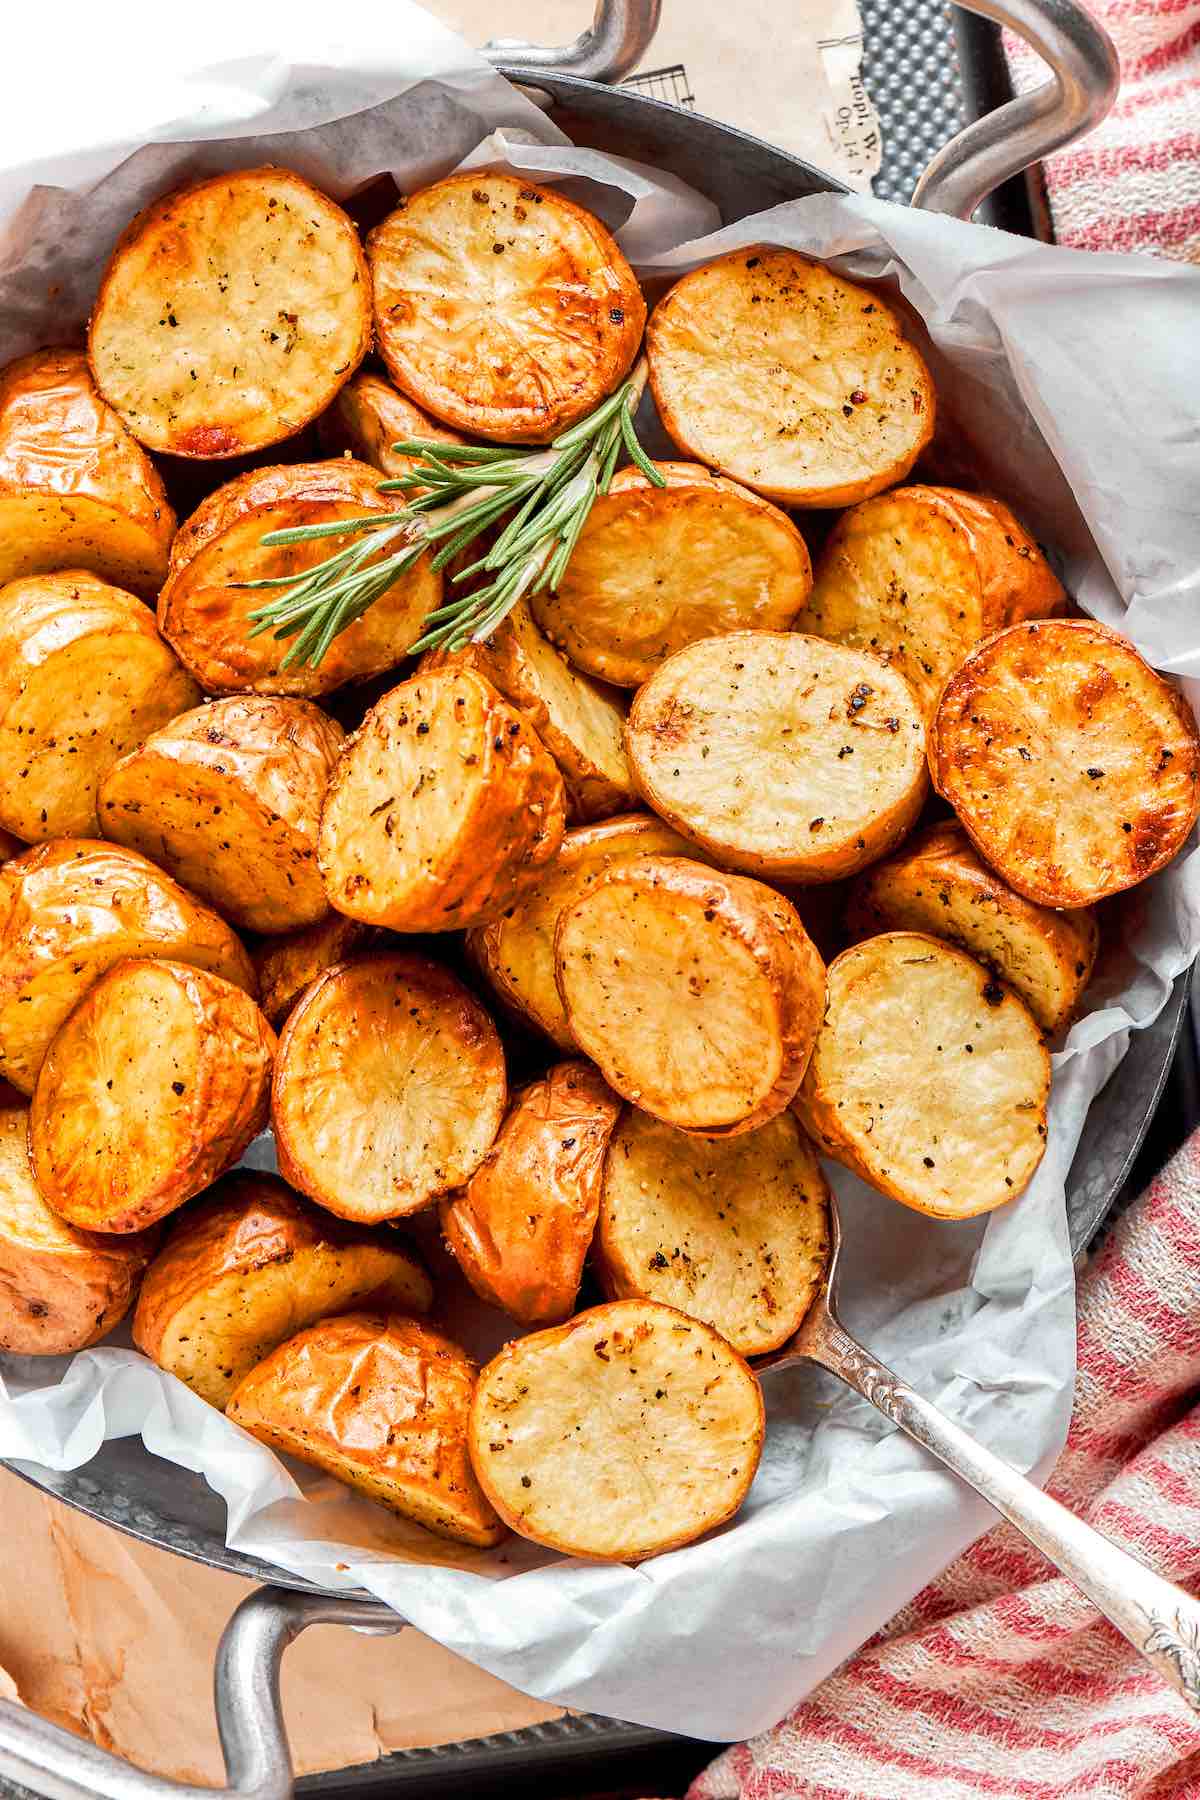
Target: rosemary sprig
454	493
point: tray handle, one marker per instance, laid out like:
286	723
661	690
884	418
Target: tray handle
620	35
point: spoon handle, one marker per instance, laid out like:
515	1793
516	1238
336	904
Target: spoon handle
1159	1619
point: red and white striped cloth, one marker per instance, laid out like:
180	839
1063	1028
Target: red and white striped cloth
1134	184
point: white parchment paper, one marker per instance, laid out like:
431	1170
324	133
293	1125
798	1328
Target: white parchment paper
1077	381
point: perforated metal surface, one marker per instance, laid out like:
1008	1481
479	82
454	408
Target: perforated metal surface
911	71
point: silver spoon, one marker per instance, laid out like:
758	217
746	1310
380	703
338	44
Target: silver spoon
1159	1619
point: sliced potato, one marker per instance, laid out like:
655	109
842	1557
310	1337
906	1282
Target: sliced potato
780	754
205	615
734	1232
60	1289
626	1432
502	308
381	1403
369	416
656	568
76	490
228	799
389	1087
521	1228
698	994
443	808
155	1084
69	911
286	965
516	950
776	371
929	1078
230	314
1071	762
251	1265
938	884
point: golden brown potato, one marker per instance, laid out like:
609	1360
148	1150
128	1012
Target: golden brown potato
443	808
780	754
286	965
228	799
84	677
76	490
580	721
626	1432
251	1265
369	416
657	568
60	1289
68	912
522	1226
383	1404
938	884
205	615
1072	764
230	314
516	950
733	1232
929	1078
776	371
389	1087
502	308
155	1084
698	994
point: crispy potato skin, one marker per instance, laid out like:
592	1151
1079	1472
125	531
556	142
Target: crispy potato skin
60	1289
68	912
1072	764
938	884
502	308
521	1227
205	617
443	808
657	568
76	490
779	754
369	416
929	1078
626	1432
155	1084
228	798
84	676
802	386
389	1087
249	1266
921	574
697	994
382	1403
286	965
270	310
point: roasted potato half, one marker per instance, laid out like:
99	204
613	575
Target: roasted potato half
921	574
779	754
502	308
697	994
383	1404
84	677
286	965
205	615
521	1228
228	798
1071	762
628	1431
389	1087
443	808
76	490
230	314
369	416
734	1232
60	1289
777	372
69	911
656	568
937	883
251	1265
155	1084
929	1077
